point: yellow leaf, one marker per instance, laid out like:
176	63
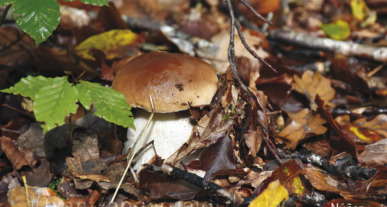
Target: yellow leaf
358	8
106	42
274	194
338	30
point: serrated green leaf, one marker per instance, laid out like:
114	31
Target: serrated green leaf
96	2
6	2
110	104
38	18
29	86
54	102
338	30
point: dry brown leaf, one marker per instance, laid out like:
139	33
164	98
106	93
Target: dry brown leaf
39	197
303	123
13	154
318	181
365	131
374	154
312	84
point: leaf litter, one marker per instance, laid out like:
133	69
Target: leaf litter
314	132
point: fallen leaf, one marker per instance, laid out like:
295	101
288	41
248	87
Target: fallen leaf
114	43
39	176
312	84
338	30
303	123
318	181
219	156
274	194
374	154
37	197
345	142
363	131
13	154
17	48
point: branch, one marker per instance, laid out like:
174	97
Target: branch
342	47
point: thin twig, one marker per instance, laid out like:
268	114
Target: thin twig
255	12
231	50
248	48
134	150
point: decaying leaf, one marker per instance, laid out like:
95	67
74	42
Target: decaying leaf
303	123
318	181
374	154
13	154
365	131
312	84
37	197
219	156
112	43
274	194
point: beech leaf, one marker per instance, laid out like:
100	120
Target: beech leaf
338	30
106	42
54	102
111	105
272	196
6	2
38	18
303	123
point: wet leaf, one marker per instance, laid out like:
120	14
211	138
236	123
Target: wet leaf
108	42
38	18
303	123
338	30
312	84
219	156
364	131
274	194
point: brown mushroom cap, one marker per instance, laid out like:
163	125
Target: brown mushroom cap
175	82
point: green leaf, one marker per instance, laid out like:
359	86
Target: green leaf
338	30
54	102
6	2
38	18
110	104
28	87
96	2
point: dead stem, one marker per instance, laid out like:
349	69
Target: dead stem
134	150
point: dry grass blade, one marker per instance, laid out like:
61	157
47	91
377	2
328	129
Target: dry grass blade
134	150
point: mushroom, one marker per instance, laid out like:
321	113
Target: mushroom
175	82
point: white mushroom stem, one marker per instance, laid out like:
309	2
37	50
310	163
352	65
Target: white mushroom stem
168	130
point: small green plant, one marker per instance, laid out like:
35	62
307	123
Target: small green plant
39	18
56	98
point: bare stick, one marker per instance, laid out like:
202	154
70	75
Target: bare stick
248	48
231	50
134	150
341	47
